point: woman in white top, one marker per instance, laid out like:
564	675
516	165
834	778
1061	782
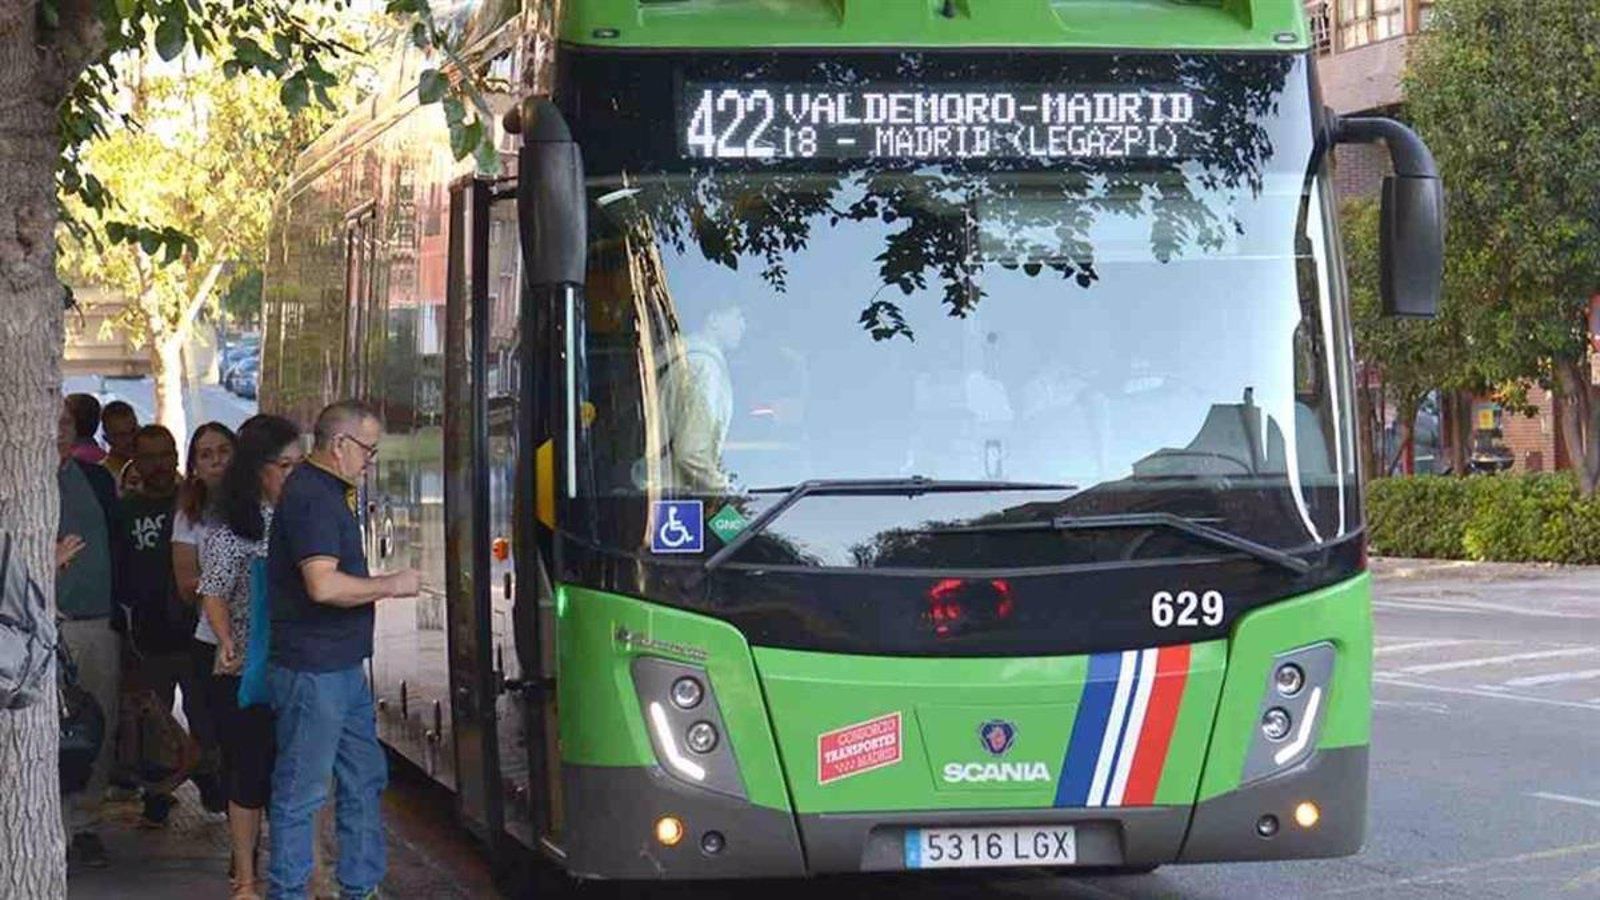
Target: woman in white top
210	450
269	449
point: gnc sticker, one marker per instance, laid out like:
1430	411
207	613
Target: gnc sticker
853	749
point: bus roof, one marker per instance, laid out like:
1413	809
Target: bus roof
1278	25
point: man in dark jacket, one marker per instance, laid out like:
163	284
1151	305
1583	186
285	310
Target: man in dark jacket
160	623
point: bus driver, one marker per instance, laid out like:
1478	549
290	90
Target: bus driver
696	406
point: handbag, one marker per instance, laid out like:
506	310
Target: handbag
253	675
83	725
153	744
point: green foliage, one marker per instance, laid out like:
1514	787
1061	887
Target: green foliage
1507	518
1507	92
242	301
202	171
1415	355
290	42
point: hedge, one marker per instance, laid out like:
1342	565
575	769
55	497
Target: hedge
1505	518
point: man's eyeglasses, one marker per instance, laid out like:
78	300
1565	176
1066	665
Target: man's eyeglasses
371	450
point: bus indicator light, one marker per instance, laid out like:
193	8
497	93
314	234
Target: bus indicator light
1307	815
669	831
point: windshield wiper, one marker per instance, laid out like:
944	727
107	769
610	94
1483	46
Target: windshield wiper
1195	528
914	486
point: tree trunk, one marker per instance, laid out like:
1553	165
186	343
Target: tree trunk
32	855
166	366
1406	433
1579	409
1366	437
1456	410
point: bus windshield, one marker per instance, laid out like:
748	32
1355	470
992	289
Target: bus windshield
1153	323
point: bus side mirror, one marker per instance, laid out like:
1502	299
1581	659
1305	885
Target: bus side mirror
1411	220
551	205
1411	246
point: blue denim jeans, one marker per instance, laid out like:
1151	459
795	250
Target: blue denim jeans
325	726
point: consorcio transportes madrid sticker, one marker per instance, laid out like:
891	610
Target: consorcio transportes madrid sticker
862	747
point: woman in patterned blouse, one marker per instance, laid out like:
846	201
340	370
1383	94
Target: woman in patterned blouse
268	450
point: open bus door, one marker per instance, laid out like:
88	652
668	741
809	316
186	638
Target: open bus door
500	614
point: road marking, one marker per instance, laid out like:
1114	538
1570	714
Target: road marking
1444	874
1480	607
1475	662
1553	678
1566	798
1424	607
1419	645
1474	692
1424	705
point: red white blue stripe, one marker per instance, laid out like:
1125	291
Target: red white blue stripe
1124	727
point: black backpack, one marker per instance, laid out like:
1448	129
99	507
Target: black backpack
27	633
83	725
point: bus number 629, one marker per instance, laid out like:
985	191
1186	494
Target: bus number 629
1186	610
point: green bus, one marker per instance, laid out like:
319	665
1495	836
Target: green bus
849	436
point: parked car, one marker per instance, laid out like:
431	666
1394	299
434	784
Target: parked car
245	382
247	368
235	353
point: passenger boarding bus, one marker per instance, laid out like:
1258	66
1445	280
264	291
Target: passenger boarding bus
844	436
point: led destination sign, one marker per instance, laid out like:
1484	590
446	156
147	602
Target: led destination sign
969	121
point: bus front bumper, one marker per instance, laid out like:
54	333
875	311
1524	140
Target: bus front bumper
611	815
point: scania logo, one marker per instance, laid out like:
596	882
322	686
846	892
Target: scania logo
997	736
979	773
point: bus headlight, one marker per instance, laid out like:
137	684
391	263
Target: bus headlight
687	692
1289	679
1290	713
1276	724
702	737
685	725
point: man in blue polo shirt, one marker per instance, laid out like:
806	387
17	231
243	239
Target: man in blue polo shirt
322	597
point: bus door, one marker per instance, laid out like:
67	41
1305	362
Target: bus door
493	674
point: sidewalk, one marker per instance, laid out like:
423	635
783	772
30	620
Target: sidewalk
188	859
1398	567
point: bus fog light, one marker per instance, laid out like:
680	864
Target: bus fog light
1289	679
712	842
1307	815
702	737
1276	724
669	831
687	693
1267	826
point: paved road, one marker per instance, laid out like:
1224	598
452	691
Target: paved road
1485	783
202	403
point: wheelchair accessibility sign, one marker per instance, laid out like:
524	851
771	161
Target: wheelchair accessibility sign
677	526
